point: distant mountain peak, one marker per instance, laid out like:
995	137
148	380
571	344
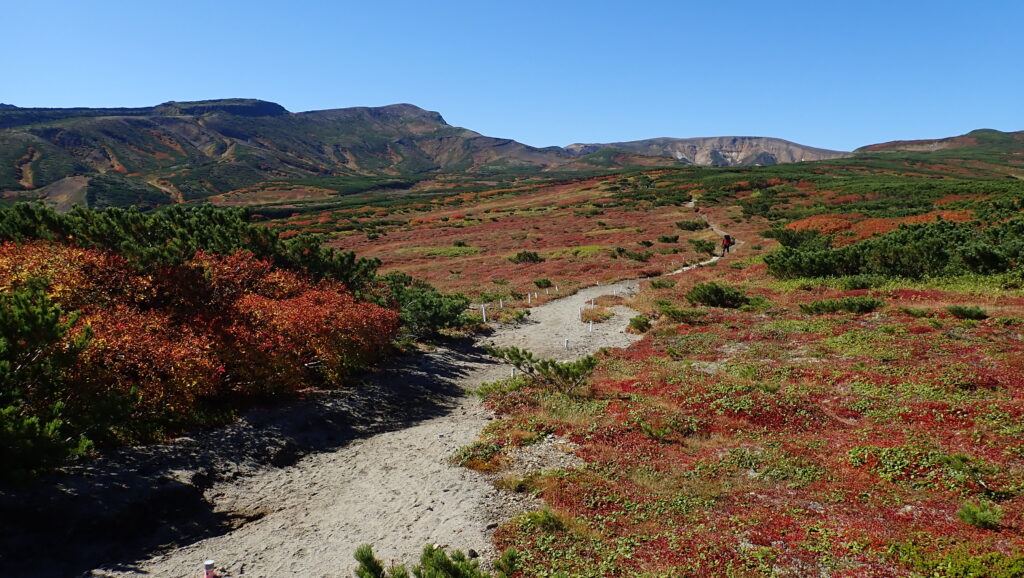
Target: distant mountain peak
181	151
717	151
983	137
236	106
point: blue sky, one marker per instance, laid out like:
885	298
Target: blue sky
829	74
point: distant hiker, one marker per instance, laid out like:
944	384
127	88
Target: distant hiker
726	243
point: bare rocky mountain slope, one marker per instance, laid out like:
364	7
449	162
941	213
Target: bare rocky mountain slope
723	151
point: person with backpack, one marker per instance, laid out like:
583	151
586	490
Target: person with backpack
726	243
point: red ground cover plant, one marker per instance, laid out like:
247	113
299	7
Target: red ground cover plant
584	236
766	441
851	228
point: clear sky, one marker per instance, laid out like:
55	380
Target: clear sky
829	74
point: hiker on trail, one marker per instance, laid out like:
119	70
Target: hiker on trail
726	243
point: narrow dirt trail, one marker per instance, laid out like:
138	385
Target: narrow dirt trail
394	489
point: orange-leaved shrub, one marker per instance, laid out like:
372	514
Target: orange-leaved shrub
169	342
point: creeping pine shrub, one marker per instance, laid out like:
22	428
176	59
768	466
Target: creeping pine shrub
702	246
848	304
676	315
668	238
543	283
424	309
640	324
560	376
715	295
435	563
917	312
37	348
662	284
546	520
982	515
967	312
692	225
524	257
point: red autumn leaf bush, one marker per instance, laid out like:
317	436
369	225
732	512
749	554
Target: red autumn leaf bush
166	368
172	339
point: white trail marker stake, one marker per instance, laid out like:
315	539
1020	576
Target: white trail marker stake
483	312
567	344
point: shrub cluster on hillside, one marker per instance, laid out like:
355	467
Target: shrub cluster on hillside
929	250
119	326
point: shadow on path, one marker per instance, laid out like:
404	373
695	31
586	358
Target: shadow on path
132	503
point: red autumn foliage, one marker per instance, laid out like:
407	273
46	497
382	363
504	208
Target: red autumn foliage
171	339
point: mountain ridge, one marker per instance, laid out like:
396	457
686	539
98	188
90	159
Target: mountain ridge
718	151
181	151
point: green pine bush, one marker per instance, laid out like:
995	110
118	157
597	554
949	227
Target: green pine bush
435	562
983	515
716	295
847	304
967	312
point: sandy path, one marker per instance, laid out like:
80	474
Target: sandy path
393	489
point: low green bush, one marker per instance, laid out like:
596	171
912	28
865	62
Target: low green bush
984	515
425	310
690	316
39	426
702	246
864	281
715	295
543	283
692	225
435	562
640	324
917	312
967	312
546	520
847	304
524	257
668	238
662	284
561	376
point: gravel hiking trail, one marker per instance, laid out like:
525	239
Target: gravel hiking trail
394	489
293	490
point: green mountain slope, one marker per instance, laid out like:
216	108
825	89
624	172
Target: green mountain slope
257	152
182	151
